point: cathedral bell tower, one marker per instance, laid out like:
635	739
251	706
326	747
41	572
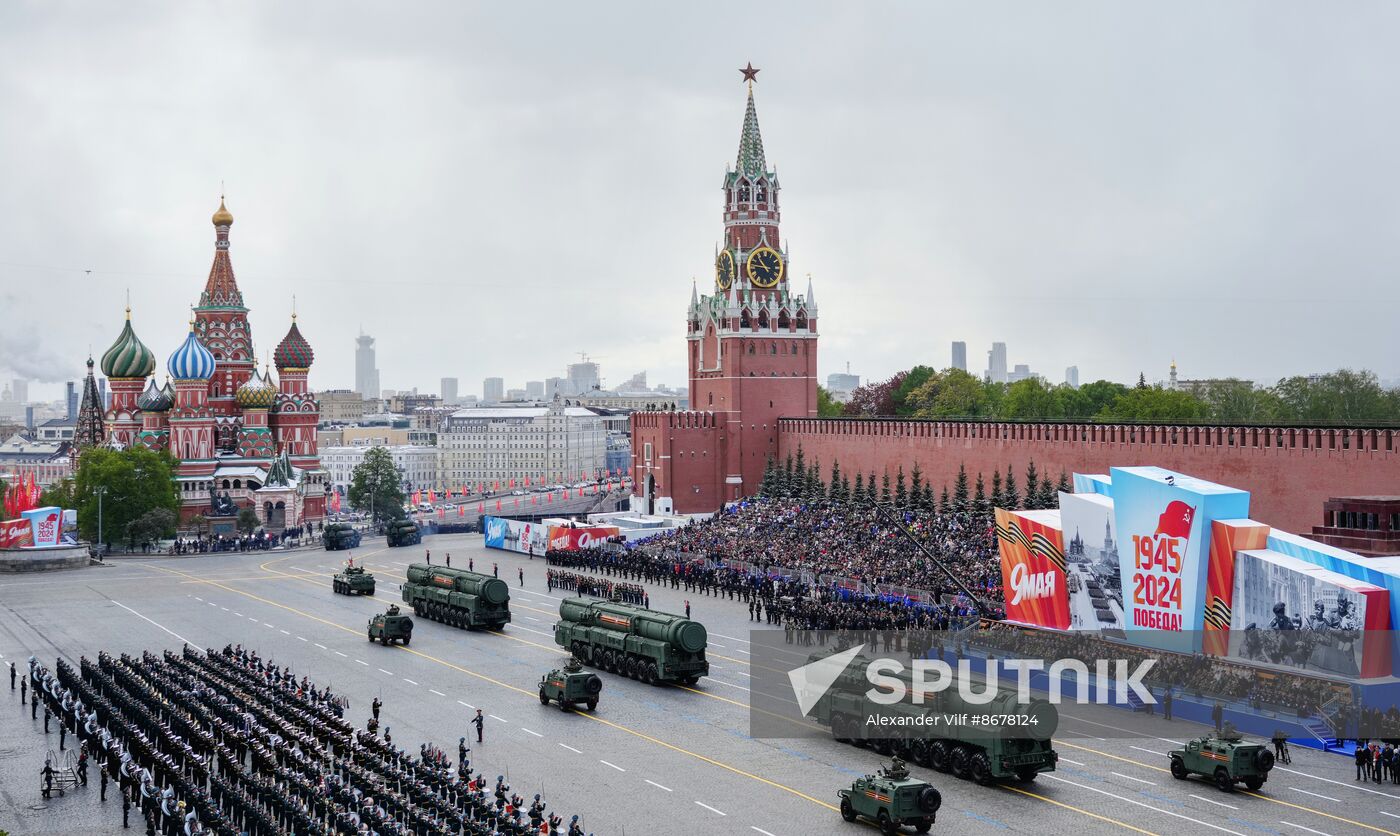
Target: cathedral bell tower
751	343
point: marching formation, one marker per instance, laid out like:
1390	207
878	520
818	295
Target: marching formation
220	742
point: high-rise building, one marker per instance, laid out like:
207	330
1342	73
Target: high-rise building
555	386
1019	373
840	386
959	356
449	390
72	400
996	363
1072	377
366	373
584	377
493	390
20	390
534	390
102	393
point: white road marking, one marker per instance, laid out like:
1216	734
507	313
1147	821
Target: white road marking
301	638
1148	751
760	830
532	618
613	765
409	681
527	731
252	618
571	749
1141	804
1208	801
211	603
1384	813
284	632
494	717
721	646
239	614
436	691
1131	778
1315	795
1067	760
199	599
537	632
338	653
730	684
225	609
144	618
467	704
741	650
731	638
1330	781
268	626
366	664
658	786
711	809
323	647
1300	827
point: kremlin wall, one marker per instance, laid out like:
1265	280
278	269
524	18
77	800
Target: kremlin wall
1289	472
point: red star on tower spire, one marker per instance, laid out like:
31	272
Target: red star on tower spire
750	74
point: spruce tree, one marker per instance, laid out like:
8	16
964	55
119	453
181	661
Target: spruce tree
1013	499
944	506
916	485
1048	499
769	483
979	497
858	495
846	487
885	496
926	502
815	488
785	483
901	493
799	469
1032	485
1065	485
998	501
870	493
960	494
834	489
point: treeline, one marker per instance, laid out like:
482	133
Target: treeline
1343	396
797	478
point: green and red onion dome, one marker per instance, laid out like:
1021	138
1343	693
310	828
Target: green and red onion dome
294	352
128	356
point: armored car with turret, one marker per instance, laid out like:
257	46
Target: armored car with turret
1225	758
353	580
571	685
892	798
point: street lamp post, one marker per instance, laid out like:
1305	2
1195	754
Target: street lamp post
100	490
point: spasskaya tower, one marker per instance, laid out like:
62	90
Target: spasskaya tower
751	347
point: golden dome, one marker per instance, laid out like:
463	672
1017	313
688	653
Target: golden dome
223	217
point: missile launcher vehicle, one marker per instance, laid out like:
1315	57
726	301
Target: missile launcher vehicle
457	597
643	644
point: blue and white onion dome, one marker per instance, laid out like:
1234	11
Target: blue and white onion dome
191	361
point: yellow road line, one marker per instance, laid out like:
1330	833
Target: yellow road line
1040	797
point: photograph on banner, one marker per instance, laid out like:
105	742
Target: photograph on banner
1094	577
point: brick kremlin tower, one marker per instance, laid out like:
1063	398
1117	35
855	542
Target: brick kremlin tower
752	353
225	424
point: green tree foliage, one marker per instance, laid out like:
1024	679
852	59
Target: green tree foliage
826	407
885	496
769	486
149	527
916	485
901	491
1032	485
375	487
1338	397
979	496
136	481
1009	493
834	487
1064	486
944	505
247	520
960	490
998	501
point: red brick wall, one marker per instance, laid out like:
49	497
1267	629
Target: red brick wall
1288	483
687	455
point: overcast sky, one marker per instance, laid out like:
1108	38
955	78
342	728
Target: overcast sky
489	189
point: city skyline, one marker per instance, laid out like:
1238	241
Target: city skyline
1193	198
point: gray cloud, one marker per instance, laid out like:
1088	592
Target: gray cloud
489	189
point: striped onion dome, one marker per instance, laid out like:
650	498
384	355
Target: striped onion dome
191	361
294	352
128	356
257	392
155	398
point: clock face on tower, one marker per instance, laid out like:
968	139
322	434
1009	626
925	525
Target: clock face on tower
725	270
765	267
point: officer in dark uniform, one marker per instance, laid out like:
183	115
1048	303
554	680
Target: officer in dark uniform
12	676
47	772
102	773
462	751
374	707
479	722
126	810
46	715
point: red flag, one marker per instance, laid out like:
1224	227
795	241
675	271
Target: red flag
512	482
498	505
534	500
549	497
481	507
527	481
595	488
1176	520
495	486
517	502
432	496
442	512
461	510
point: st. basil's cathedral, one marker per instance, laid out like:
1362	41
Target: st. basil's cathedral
240	439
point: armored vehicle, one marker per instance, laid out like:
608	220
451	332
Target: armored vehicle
1225	758
985	752
339	537
570	685
391	625
353	580
457	597
644	644
892	799
404	533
